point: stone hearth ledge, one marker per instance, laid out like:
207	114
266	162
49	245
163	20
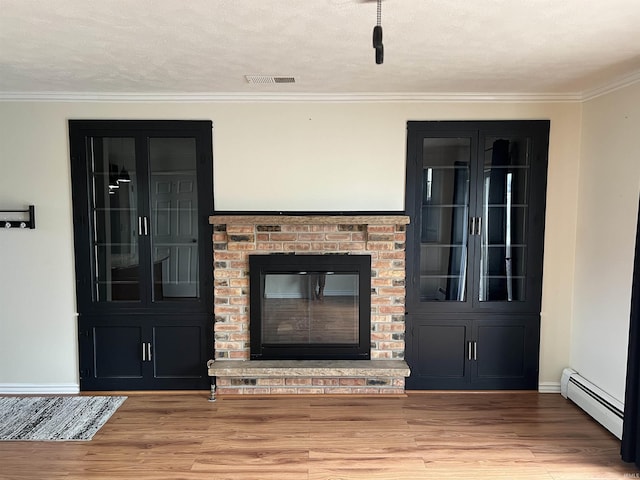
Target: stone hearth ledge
308	368
305	368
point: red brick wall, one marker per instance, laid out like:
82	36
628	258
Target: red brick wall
235	238
310	386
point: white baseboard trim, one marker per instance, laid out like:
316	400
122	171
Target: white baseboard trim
549	387
73	388
39	388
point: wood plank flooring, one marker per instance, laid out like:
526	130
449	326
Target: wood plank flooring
435	435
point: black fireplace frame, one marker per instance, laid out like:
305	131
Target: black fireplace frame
259	265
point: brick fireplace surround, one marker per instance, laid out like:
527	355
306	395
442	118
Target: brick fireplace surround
235	237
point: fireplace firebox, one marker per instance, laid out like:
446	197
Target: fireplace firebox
305	307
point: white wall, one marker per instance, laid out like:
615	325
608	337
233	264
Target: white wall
608	206
288	156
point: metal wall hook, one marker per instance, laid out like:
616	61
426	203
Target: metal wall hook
28	222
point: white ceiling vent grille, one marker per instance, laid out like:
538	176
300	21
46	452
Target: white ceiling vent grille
269	79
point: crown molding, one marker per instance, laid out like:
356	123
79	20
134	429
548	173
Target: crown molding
115	97
275	97
617	84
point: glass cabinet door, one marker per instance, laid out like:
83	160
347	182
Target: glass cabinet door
503	219
173	189
122	229
114	211
142	190
444	218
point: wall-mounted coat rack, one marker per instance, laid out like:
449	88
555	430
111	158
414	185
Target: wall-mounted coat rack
18	218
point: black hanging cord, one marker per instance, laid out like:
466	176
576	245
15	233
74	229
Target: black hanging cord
377	36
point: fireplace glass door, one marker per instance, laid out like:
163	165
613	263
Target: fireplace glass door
310	306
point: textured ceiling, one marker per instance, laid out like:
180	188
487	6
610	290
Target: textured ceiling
208	46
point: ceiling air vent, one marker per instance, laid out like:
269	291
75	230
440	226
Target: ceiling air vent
269	79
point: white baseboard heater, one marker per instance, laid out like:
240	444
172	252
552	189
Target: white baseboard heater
605	409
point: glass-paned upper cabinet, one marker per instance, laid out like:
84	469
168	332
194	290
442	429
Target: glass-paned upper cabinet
145	183
476	197
444	213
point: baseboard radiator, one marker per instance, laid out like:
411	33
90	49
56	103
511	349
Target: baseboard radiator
605	409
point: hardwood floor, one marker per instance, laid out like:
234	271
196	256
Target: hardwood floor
420	436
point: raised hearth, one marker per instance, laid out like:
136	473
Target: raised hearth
310	376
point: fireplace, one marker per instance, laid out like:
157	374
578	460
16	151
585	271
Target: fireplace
305	307
378	237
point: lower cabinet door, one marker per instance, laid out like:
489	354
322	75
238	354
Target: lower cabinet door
118	352
437	353
505	353
486	353
179	351
129	352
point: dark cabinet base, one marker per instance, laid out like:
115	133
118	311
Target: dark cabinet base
140	352
482	353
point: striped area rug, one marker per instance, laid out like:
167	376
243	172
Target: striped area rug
55	418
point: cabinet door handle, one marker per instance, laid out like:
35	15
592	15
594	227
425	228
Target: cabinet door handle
479	225
144	353
140	226
475	350
145	223
472	226
469	348
149	351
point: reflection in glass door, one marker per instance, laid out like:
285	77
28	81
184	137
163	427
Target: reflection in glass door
174	226
504	219
114	211
444	219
